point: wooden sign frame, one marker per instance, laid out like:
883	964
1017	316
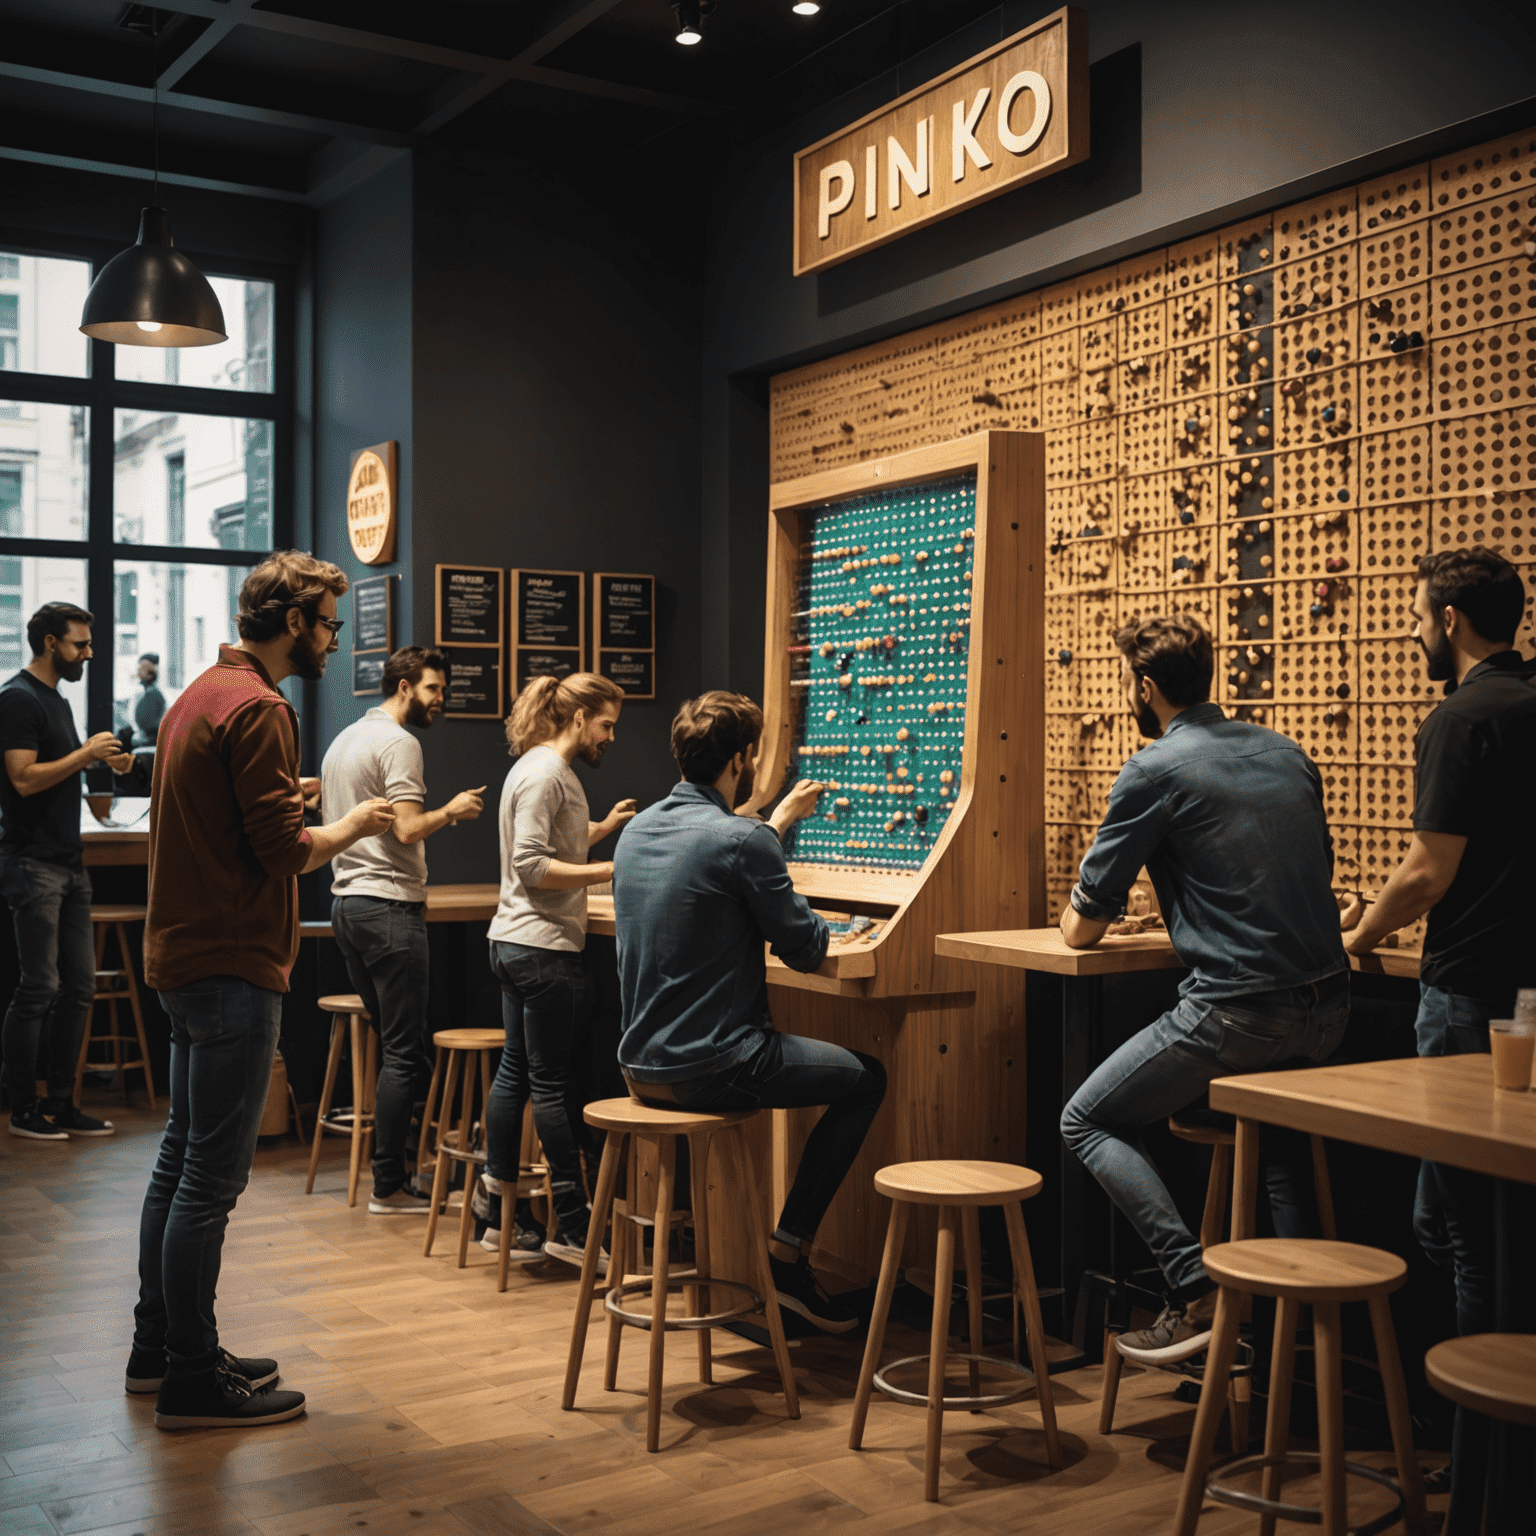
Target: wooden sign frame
480	653
369	583
365	683
519	647
372	529
602	652
450	642
1008	116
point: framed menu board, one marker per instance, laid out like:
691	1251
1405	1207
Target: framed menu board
368	673
373	614
469	605
624	631
549	618
474	685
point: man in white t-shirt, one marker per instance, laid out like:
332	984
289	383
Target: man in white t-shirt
379	890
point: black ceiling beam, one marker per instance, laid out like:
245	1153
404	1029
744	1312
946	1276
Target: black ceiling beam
204	44
142	173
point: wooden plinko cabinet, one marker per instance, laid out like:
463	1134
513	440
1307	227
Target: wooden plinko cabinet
941	713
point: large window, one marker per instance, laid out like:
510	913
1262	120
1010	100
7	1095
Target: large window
127	485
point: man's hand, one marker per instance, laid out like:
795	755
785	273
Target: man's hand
796	805
369	818
104	746
310	790
465	805
622	813
121	763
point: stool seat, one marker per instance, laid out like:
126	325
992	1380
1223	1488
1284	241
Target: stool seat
1491	1373
630	1115
469	1039
117	914
948	1182
1202	1135
1305	1269
344	1002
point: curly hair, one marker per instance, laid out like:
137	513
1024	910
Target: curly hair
287	578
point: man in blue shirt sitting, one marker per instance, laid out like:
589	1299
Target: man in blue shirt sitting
1228	819
697	891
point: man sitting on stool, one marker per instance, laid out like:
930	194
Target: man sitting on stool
697	891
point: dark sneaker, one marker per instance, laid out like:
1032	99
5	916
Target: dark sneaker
800	1291
146	1370
405	1201
221	1399
572	1247
526	1244
1181	1330
73	1120
32	1123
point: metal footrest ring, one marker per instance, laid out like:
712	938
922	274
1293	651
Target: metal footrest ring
1305	1514
612	1303
989	1400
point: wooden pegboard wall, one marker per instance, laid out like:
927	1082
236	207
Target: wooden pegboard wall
1266	426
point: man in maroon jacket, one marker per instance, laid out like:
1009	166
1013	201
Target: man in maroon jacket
226	842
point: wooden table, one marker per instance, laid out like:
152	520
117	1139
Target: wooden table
124	844
1441	1107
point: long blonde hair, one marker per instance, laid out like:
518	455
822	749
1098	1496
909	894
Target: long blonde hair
548	704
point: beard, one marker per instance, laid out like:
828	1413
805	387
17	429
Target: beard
70	671
1439	658
304	662
745	785
592	752
1146	720
421	715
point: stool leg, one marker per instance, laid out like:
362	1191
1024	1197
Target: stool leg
426	1113
1239	1403
1277	1428
621	1264
332	1066
698	1165
1114	1362
1218	1366
504	1245
85	1045
1216	1196
359	1066
444	1130
666	1172
1322	1187
1034	1325
938	1349
607	1176
1409	1479
137	1012
465	1143
895	1236
1328	1353
970	1233
370	1090
748	1182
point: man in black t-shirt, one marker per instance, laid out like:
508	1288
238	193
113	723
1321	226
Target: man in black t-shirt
42	875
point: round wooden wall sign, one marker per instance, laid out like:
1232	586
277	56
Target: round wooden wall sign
371	505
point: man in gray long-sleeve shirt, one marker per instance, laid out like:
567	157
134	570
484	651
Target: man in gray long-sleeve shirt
697	891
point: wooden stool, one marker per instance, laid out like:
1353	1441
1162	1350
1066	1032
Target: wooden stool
1323	1274
1222	1142
1490	1373
456	1140
351	1021
661	1127
114	987
956	1187
533	1178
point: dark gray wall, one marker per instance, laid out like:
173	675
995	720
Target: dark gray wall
1201	111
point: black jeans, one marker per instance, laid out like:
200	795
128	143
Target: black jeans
51	907
792	1072
544	1006
223	1039
384	944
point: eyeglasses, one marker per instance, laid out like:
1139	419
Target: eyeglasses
334	625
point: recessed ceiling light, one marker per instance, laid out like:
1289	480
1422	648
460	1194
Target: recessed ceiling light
805	7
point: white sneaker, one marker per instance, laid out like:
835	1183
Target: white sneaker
404	1202
487	1189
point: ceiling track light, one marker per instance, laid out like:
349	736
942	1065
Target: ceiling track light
150	295
806	7
690	15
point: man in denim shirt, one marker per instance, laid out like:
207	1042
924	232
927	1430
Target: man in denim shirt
1228	819
697	891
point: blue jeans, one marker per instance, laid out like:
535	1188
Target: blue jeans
384	944
792	1072
1168	1066
51	908
223	1040
544	1009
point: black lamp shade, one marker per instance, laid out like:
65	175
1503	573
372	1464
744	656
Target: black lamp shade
152	284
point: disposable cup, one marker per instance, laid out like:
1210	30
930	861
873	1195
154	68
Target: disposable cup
1512	1043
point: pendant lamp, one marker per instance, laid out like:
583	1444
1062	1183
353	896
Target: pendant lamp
150	295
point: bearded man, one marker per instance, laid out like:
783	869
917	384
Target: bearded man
379	896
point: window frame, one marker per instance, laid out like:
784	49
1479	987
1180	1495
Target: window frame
102	394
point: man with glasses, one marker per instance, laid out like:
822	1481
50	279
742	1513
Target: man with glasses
226	842
43	877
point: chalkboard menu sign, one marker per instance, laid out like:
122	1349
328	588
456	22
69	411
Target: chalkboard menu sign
474	685
633	671
373	614
368	673
624	631
532	663
549	613
469	605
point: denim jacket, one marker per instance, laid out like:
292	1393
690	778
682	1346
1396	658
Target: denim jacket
1228	819
696	891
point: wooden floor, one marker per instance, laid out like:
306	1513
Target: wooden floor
434	1401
